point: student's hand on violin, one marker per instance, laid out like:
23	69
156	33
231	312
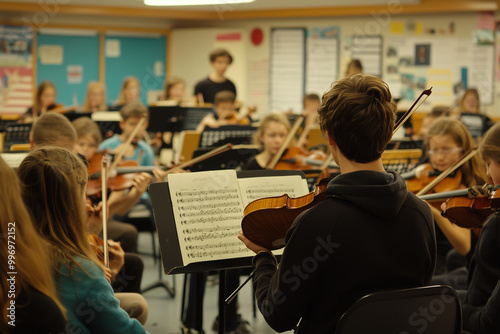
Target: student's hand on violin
107	274
116	257
94	220
159	175
250	245
142	181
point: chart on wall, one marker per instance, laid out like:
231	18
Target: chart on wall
448	65
16	72
287	67
368	50
322	59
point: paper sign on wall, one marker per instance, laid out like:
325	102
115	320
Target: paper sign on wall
75	74
112	48
51	54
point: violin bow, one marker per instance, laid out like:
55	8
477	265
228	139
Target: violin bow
120	154
424	95
272	163
466	157
104	181
202	157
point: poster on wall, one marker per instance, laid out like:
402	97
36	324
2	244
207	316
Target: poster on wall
16	80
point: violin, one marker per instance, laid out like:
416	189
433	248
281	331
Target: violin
283	210
472	210
256	224
428	175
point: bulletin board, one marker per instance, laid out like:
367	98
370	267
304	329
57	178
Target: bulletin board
140	56
70	62
449	65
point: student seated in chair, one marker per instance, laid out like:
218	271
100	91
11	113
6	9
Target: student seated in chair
368	234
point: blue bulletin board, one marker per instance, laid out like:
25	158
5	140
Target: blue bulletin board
72	72
142	57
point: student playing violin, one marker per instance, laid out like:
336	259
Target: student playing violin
130	92
35	306
368	234
270	136
45	100
96	97
224	113
446	141
53	129
54	192
481	305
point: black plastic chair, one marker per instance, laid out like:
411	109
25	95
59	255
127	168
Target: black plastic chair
429	310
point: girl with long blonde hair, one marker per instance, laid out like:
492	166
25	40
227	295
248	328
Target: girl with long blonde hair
96	97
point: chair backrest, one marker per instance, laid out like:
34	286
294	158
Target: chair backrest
428	310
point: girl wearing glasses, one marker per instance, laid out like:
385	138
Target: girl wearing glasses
447	141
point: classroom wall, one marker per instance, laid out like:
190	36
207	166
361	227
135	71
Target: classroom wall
257	57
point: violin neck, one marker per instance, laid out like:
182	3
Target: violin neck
138	169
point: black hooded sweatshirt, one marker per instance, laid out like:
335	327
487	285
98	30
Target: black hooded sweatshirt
369	234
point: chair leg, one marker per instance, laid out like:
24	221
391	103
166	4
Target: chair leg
254	305
183	303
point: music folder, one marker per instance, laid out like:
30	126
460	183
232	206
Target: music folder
198	215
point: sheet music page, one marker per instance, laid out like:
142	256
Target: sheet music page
259	187
208	211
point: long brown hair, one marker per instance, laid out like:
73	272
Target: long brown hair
473	171
31	257
39	91
169	83
490	145
54	184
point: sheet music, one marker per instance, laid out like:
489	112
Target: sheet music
208	212
255	188
208	209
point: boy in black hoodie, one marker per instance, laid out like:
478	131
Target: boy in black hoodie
368	234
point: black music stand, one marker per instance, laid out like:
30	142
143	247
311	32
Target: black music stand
17	134
71	116
166	119
232	159
234	134
169	238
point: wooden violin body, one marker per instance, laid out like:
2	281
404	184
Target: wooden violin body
450	183
267	220
471	212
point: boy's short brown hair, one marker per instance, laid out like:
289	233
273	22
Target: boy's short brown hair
224	96
220	53
51	129
311	97
134	109
359	114
85	126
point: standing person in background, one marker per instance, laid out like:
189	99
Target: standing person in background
354	67
469	112
130	92
96	97
205	90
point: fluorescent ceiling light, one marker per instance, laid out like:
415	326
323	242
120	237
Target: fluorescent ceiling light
193	2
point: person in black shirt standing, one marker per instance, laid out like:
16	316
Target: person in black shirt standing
205	90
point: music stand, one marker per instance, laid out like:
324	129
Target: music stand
166	119
234	134
194	116
71	116
169	238
231	159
